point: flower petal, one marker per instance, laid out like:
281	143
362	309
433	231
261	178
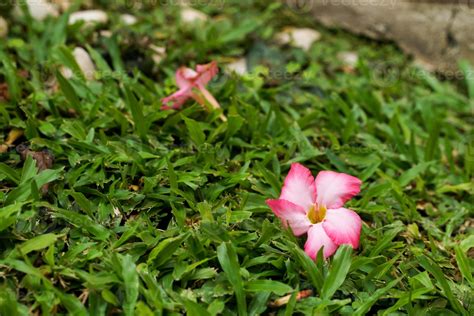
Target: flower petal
318	238
185	77
206	73
290	214
334	188
209	97
177	99
299	187
343	226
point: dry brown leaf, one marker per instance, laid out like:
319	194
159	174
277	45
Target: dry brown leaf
13	136
285	299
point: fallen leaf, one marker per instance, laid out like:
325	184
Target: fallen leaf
285	299
13	136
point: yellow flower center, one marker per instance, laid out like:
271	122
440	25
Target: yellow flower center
316	213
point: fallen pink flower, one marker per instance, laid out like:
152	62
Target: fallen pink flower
191	85
315	207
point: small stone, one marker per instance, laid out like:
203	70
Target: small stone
190	15
348	58
84	62
39	9
238	66
298	37
128	19
3	27
89	17
106	33
159	53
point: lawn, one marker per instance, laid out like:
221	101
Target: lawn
110	205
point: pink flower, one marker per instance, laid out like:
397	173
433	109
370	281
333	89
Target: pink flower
191	85
315	207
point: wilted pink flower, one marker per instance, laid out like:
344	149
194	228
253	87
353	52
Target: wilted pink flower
315	207
191	85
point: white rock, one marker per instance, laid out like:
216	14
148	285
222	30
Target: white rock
39	9
298	37
348	58
106	33
84	62
238	66
190	15
3	27
159	53
128	19
89	17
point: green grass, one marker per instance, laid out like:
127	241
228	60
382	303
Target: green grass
152	212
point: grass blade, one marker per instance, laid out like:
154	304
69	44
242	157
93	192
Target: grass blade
442	282
131	283
337	274
230	264
463	264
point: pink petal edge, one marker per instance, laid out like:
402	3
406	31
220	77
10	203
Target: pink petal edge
185	77
290	214
206	73
343	226
318	238
333	189
177	99
299	187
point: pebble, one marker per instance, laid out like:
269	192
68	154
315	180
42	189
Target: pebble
39	9
128	19
89	17
298	37
3	27
85	63
348	58
190	15
159	53
238	66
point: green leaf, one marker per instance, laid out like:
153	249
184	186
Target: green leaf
234	123
374	297
72	304
29	169
131	284
268	286
386	240
24	190
412	173
82	221
230	264
10	173
9	304
195	131
442	282
8	215
340	266
165	249
463	264
69	92
136	108
308	265
194	309
37	243
11	76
